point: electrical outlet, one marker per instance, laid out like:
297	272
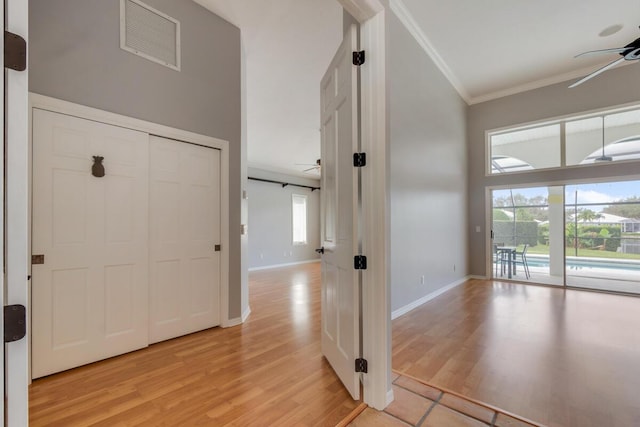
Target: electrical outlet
454	267
422	280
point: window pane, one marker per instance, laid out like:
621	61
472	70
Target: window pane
621	138
603	236
583	138
528	149
299	219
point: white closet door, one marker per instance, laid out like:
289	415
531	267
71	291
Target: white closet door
90	296
185	229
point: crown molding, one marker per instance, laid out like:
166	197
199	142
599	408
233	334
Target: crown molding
403	14
559	78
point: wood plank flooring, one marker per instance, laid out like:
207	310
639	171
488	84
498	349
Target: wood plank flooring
266	372
560	358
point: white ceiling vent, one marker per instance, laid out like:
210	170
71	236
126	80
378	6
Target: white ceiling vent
149	33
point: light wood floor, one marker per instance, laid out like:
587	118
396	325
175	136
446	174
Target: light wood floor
561	358
266	372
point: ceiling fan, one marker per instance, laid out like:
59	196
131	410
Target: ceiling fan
315	167
630	52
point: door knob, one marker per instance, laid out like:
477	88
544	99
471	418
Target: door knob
321	250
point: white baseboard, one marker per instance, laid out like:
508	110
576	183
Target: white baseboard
390	397
289	264
237	320
478	277
417	303
246	314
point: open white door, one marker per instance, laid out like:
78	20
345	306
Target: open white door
339	220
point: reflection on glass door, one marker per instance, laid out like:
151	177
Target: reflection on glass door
603	236
528	234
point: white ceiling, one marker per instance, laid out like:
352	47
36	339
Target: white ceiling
493	48
487	49
288	45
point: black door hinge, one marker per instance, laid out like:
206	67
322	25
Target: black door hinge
360	262
358	58
359	159
361	365
15	322
15	52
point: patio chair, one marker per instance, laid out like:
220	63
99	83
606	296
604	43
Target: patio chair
497	258
521	259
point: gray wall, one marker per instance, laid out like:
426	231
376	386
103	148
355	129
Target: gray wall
75	55
270	235
615	87
428	172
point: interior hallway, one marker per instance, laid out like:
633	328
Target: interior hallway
268	371
560	358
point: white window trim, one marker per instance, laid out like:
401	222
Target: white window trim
306	222
550	121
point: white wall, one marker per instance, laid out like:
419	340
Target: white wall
270	227
428	173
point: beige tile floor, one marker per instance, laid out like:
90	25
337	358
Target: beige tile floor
420	405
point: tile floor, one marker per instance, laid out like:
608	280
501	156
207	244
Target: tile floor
420	405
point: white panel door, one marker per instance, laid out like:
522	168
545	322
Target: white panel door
340	296
90	296
184	231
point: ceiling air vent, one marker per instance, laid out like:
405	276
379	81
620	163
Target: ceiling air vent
149	33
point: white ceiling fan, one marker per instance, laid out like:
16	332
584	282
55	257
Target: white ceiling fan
630	52
314	169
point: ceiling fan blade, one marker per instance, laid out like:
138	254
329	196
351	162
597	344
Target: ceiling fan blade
595	73
596	52
310	169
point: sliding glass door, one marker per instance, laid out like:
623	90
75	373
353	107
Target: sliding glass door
527	231
584	235
603	236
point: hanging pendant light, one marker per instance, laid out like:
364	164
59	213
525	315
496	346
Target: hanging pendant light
603	158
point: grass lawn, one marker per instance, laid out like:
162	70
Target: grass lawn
544	249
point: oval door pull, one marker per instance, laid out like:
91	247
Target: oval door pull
320	250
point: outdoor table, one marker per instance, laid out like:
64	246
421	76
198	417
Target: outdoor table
511	252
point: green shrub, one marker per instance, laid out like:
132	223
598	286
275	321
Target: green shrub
515	233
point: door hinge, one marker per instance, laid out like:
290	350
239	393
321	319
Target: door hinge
359	159
15	322
217	248
361	365
358	58
15	52
360	262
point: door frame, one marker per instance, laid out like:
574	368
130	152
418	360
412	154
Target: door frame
17	248
376	299
37	101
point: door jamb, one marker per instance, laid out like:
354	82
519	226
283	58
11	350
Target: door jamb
17	248
376	312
